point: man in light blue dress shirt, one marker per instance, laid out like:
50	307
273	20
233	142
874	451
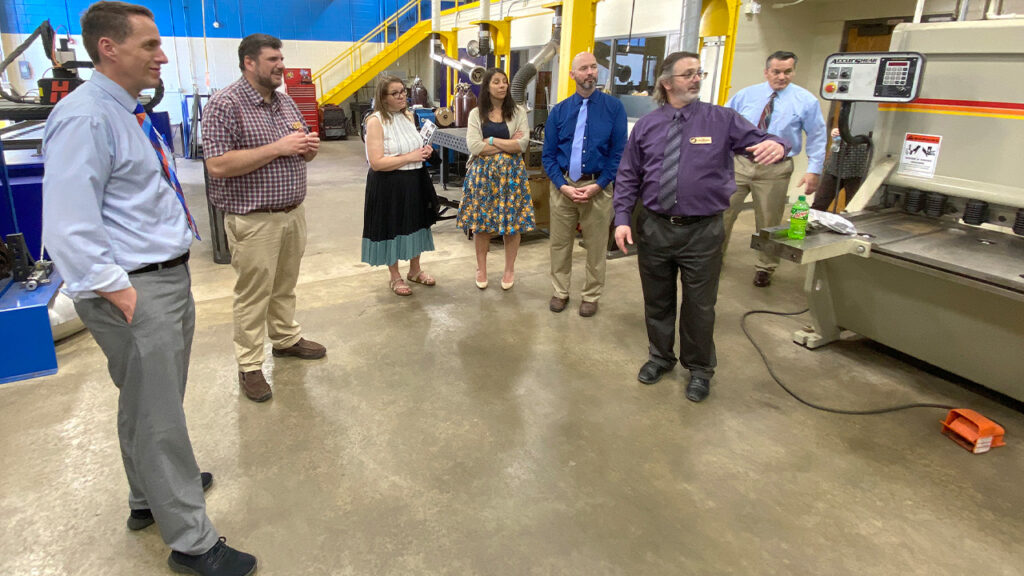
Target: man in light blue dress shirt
117	230
785	110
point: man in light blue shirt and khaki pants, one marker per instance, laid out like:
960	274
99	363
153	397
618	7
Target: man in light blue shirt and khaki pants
784	110
116	224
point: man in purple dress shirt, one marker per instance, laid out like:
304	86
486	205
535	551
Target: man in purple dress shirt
679	224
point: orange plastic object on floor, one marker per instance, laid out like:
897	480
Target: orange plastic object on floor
973	431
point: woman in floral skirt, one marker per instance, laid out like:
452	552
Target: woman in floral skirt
496	193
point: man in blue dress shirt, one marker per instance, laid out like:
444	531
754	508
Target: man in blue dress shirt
118	230
583	141
677	172
785	110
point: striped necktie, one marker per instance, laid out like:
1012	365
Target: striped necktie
766	114
163	155
670	165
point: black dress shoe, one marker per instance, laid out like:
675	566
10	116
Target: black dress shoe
651	372
762	278
143	517
698	389
221	560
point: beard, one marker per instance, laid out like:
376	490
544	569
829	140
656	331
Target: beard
689	95
268	81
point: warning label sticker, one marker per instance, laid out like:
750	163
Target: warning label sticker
920	155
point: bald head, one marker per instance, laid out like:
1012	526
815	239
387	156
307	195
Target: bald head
582	58
584	72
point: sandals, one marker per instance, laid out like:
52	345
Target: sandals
421	278
399	287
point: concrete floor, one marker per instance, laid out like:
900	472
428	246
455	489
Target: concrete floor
461	431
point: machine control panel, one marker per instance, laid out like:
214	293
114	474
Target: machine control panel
872	76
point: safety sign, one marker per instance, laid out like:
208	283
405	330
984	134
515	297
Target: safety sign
920	155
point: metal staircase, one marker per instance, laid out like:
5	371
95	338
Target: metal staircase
361	62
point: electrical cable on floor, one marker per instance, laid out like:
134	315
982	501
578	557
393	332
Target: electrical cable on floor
764	358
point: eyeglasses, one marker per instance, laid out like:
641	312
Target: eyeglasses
401	92
690	74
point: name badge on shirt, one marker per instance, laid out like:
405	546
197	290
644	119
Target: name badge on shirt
700	140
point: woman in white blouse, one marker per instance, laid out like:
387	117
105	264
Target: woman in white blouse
401	204
496	191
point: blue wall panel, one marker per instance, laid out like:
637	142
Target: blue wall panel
335	20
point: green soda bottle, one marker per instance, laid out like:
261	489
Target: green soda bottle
798	219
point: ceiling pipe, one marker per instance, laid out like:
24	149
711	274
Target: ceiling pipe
689	26
484	36
474	71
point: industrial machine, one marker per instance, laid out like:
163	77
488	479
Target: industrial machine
936	269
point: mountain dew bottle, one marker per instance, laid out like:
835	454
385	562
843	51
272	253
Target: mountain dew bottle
798	219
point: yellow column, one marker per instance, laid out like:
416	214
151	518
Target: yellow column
450	41
721	18
579	18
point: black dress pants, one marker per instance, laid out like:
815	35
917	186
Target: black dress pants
666	253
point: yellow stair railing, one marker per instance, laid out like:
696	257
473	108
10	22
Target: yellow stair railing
358	64
349	71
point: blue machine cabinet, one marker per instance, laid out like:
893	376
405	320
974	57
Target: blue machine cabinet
28	349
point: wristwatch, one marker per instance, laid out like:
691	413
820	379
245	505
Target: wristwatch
491	140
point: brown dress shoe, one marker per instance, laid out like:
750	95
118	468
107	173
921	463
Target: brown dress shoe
255	386
305	349
588	309
762	278
557	304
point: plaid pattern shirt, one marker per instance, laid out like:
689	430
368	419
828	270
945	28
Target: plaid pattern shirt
237	118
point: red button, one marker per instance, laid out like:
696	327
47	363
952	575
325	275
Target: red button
830	88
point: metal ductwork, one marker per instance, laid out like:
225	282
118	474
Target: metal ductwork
527	72
474	71
484	37
689	26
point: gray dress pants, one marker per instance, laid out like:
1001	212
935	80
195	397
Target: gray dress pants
148	362
667	252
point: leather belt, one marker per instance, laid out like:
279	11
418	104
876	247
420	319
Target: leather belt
582	177
162	266
286	209
681	220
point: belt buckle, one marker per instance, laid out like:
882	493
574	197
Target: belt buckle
677	220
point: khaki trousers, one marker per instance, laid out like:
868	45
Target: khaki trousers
266	249
769	185
594	217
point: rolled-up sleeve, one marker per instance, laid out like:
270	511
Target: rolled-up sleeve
78	163
814	126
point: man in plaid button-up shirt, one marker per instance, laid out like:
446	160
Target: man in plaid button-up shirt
256	147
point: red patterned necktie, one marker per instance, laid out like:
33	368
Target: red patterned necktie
162	155
766	114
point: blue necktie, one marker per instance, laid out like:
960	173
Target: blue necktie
576	158
162	154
